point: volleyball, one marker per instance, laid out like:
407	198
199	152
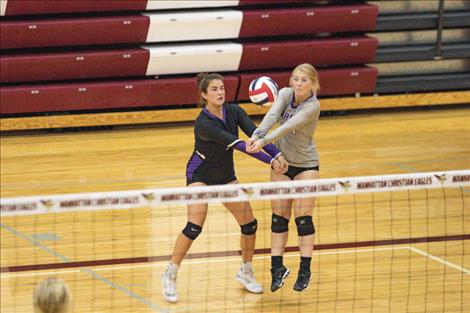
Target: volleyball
263	90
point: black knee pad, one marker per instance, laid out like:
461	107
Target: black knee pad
305	225
279	224
250	228
192	230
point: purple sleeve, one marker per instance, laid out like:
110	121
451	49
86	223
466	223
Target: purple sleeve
241	146
272	150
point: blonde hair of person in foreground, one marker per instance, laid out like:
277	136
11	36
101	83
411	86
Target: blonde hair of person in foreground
52	295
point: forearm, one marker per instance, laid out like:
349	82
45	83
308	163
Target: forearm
299	120
272	150
275	135
263	157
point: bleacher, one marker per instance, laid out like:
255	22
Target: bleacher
87	63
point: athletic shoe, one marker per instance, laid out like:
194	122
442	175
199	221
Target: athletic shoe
303	280
247	278
279	275
169	285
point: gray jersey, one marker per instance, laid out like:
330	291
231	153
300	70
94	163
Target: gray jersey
294	136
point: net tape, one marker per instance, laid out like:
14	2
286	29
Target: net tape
230	193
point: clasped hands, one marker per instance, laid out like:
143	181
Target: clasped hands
279	165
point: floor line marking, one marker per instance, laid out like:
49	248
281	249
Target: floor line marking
85	270
438	259
219	260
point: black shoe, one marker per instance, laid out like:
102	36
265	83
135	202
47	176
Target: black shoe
279	275
303	280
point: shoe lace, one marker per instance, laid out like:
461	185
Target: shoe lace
304	275
171	286
279	273
250	277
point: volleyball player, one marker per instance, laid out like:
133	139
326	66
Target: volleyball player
297	110
216	136
52	295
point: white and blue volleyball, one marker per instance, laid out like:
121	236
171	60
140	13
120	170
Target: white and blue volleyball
263	91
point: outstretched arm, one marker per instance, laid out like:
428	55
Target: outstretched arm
248	127
272	116
240	145
275	163
206	132
305	116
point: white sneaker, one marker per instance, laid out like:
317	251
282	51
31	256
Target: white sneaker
247	278
169	283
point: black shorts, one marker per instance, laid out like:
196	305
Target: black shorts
294	171
210	181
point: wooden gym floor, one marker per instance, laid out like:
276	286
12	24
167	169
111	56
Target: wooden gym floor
380	274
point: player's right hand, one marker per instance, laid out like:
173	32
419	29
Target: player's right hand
255	146
284	164
276	166
250	141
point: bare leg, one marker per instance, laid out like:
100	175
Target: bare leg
243	214
304	207
279	235
303	210
282	208
196	215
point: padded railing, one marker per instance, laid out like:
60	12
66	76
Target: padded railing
179	59
183	25
25	7
333	81
162	92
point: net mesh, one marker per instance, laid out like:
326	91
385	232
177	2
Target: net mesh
396	243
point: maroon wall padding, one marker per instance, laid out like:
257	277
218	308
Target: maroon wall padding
164	91
134	28
74	31
74	65
272	22
281	54
257	2
21	7
105	95
339	81
347	81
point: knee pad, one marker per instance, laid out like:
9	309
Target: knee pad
279	224
250	228
192	230
305	225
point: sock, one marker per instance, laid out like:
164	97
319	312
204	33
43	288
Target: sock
276	261
247	267
305	263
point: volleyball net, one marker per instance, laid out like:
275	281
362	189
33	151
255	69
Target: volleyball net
394	243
